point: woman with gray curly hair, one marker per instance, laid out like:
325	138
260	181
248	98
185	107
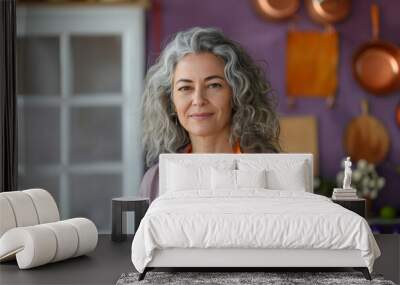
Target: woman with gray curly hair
205	95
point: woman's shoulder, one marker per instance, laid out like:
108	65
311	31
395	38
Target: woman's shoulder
152	171
149	184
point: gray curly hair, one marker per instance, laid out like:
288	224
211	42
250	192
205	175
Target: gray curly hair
254	120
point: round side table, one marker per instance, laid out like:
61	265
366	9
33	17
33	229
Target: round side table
120	205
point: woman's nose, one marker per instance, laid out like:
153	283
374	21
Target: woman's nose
199	98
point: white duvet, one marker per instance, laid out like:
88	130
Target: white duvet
253	218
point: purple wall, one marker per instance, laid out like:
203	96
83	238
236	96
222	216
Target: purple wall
266	41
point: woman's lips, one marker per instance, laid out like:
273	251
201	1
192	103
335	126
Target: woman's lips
201	116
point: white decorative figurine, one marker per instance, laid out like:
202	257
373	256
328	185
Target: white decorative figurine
347	174
347	192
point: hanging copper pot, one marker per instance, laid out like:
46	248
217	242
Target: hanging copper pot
328	11
276	9
376	64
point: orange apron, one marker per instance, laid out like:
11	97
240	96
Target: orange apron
236	148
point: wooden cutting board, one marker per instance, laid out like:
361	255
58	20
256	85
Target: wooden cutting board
366	137
311	63
299	134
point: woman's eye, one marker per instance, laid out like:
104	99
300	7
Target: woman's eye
184	88
214	85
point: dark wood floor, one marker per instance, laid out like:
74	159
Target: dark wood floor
102	266
111	259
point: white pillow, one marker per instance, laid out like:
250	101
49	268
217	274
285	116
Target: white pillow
182	177
294	180
223	179
236	179
193	174
281	175
251	178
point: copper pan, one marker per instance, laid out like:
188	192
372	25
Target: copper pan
328	11
376	64
276	9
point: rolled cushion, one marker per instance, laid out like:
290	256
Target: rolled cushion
37	245
46	207
67	240
33	246
26	208
87	233
23	208
7	218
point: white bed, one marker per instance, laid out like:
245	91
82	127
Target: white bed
247	210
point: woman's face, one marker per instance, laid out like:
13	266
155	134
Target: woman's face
201	95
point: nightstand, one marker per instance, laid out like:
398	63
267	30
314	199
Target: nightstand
126	204
356	205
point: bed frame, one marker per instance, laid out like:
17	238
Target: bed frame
241	259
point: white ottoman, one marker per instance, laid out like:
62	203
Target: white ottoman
31	232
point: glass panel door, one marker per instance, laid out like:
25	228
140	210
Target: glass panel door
79	81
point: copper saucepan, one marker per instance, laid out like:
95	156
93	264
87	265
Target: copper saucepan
328	11
376	64
276	9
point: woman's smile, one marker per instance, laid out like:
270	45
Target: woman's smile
201	116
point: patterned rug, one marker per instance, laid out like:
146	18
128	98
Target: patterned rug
230	278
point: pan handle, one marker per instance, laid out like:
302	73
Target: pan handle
375	21
364	107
